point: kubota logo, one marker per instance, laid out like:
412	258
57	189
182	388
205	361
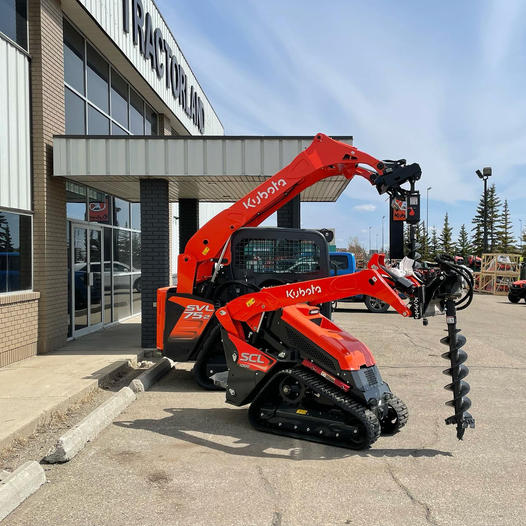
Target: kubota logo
263	195
301	292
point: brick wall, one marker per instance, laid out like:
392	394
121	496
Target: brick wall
49	193
155	260
19	327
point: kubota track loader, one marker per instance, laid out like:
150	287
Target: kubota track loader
302	375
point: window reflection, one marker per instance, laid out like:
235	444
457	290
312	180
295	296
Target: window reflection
75	114
73	58
121	213
119	99
75	201
97	76
97	123
129	113
15	252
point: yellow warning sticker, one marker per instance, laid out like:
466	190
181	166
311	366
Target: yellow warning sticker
251	302
301	411
205	251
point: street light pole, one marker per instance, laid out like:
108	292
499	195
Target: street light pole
370	240
486	172
427	210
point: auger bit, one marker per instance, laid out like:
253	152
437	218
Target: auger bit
458	371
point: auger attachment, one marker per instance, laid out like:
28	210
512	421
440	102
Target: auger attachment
458	371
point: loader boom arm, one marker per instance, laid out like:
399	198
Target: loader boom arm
324	158
371	281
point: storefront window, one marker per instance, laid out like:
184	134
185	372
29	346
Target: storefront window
119	99
121	213
75	201
129	113
15	252
13	20
73	58
150	122
97	123
121	252
136	216
97	75
136	114
108	275
136	251
75	114
117	130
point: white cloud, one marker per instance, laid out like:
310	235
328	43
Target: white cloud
452	102
365	208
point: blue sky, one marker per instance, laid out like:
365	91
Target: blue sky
438	83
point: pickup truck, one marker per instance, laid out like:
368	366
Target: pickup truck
345	263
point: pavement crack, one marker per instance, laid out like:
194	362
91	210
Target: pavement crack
410	495
412	340
274	495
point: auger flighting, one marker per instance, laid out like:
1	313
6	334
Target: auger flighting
451	293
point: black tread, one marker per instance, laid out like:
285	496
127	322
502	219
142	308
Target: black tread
208	348
355	409
402	414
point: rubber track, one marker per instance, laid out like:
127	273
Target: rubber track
401	412
332	393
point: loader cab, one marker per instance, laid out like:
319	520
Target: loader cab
275	256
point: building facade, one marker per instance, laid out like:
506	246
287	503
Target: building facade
70	255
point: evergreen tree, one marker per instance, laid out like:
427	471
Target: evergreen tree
494	204
463	245
422	238
6	240
477	240
446	238
433	244
506	241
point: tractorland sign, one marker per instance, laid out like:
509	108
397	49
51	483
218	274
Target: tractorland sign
156	49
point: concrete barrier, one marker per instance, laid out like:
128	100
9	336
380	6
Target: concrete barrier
18	486
144	381
69	444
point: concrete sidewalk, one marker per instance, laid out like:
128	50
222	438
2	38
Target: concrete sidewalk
31	389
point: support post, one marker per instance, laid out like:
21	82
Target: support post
155	243
289	216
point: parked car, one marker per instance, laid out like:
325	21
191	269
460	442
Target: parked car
345	263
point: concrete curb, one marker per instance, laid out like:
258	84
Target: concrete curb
73	441
19	485
144	381
30	427
69	444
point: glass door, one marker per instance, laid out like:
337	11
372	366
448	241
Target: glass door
87	278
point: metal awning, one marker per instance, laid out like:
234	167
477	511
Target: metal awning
214	169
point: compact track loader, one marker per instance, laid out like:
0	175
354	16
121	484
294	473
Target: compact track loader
302	375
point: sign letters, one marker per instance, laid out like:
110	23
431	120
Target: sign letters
155	49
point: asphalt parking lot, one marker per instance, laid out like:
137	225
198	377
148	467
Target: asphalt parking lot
181	456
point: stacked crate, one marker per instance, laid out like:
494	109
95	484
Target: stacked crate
497	273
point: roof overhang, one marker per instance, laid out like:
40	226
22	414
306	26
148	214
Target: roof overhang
213	169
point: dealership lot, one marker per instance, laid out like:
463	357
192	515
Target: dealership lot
180	456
